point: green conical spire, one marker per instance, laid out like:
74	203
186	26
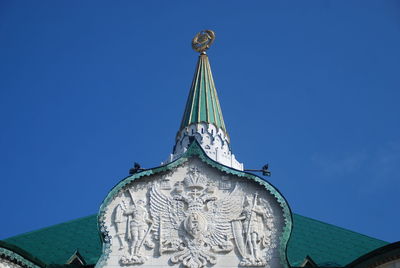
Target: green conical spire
202	104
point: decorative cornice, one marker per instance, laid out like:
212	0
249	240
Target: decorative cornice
212	140
18	256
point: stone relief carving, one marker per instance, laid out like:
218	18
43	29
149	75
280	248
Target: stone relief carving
133	225
253	232
193	221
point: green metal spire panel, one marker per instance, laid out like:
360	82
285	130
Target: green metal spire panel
203	104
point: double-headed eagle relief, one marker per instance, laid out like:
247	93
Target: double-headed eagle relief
193	221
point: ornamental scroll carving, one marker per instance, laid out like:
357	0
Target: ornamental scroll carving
193	221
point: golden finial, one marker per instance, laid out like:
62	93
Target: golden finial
203	40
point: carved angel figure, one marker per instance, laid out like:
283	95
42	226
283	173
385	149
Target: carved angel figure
194	224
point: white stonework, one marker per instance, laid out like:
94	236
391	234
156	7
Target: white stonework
392	264
193	216
213	140
11	259
7	264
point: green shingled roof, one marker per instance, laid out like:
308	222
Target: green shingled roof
202	104
326	244
57	243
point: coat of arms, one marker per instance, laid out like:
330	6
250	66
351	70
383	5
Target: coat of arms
193	223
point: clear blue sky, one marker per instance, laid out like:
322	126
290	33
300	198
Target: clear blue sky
311	87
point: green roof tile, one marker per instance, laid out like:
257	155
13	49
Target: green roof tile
56	244
326	244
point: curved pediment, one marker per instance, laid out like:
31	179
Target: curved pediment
194	212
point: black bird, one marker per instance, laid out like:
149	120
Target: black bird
136	168
265	170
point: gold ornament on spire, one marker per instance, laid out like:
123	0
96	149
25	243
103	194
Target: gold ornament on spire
203	40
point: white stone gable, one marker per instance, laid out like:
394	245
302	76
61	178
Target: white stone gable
193	216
